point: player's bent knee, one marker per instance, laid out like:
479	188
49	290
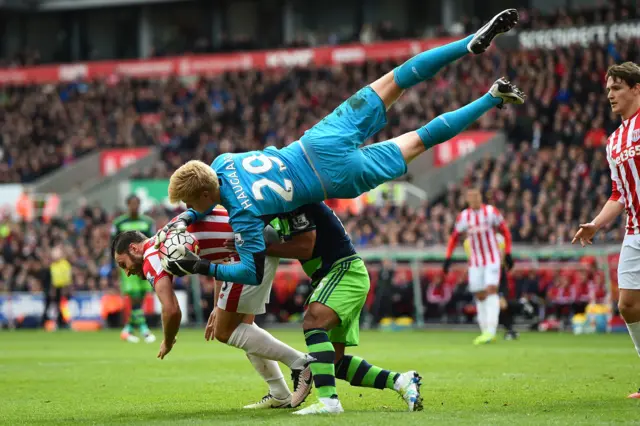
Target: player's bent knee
387	88
223	334
629	305
630	311
320	316
311	321
410	145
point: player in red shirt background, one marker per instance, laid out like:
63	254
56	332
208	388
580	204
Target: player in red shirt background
479	222
623	155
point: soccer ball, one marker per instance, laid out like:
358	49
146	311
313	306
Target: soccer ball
177	244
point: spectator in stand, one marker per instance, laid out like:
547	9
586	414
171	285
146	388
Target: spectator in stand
561	297
438	299
383	291
581	284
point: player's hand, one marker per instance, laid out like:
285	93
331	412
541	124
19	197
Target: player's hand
190	264
446	266
508	261
165	348
230	245
178	226
585	234
210	330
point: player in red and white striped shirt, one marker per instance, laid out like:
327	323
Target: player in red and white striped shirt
623	155
232	320
479	222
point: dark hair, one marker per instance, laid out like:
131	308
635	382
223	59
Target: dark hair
629	72
121	242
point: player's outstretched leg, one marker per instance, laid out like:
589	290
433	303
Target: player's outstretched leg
426	64
359	372
448	125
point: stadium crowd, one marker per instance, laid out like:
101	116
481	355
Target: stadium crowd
551	178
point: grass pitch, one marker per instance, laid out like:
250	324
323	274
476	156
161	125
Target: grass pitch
94	378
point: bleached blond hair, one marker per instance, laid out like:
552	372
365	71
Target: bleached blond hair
188	182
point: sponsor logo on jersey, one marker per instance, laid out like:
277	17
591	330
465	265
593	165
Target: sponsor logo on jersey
627	153
300	221
238	237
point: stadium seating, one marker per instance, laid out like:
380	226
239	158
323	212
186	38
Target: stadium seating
555	161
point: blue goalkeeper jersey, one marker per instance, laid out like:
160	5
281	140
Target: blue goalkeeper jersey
253	186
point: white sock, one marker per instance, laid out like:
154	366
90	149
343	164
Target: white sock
634	331
256	341
271	373
492	307
482	314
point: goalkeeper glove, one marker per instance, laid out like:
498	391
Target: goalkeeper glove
190	264
178	226
508	260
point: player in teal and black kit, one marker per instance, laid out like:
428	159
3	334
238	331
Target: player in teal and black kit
133	286
340	284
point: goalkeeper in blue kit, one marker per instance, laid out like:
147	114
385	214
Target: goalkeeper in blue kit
328	161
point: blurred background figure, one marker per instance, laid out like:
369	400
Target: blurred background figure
61	279
133	286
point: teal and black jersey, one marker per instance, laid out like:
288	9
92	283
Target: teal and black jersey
332	241
142	223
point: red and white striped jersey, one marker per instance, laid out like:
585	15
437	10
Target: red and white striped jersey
623	155
480	227
211	232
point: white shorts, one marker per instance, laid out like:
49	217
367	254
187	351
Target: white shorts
629	263
249	299
480	277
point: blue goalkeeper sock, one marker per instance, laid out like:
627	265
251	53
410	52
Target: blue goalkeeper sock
445	126
426	64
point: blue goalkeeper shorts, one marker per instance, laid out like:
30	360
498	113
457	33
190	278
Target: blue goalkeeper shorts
333	147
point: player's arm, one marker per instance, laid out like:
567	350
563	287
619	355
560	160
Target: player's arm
506	233
252	250
459	228
300	247
611	210
210	329
217	288
451	246
300	241
171	314
249	245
